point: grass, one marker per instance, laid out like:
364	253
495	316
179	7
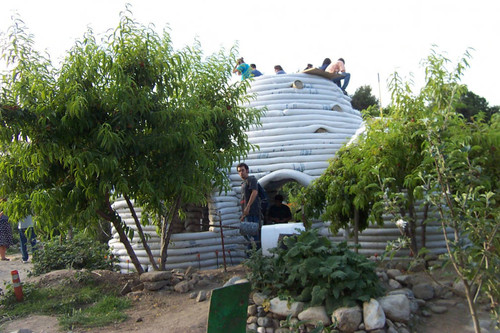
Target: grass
82	304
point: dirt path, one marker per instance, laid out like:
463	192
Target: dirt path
15	263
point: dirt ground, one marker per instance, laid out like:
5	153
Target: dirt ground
167	311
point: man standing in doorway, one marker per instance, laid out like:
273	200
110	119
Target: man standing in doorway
250	205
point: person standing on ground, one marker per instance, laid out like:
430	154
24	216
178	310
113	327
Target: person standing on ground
279	70
255	71
27	232
6	239
250	204
339	68
242	69
279	212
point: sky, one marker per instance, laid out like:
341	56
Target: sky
376	38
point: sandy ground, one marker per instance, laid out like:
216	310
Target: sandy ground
15	263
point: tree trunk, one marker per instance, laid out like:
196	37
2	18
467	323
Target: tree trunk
356	229
166	234
472	307
114	218
141	233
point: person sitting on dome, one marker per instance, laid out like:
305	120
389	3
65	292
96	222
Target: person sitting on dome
325	64
279	70
339	68
255	71
242	69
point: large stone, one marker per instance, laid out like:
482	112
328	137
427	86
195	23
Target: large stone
347	319
392	273
182	287
232	280
265	322
153	286
281	307
315	314
423	291
373	314
396	307
258	298
156	276
393	284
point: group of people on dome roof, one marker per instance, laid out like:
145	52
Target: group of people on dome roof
247	71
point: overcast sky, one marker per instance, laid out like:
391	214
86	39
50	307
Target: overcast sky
374	37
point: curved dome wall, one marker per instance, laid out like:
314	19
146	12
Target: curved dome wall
307	119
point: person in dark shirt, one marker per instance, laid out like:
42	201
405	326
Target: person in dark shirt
279	212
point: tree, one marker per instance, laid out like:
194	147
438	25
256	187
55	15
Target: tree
425	150
127	116
363	98
470	105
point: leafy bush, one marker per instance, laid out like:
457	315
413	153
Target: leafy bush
79	252
310	268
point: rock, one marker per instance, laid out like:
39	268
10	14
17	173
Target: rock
405	280
193	295
417	266
232	280
315	314
258	298
382	276
265	322
403	291
392	273
438	308
393	284
373	314
252	327
282	330
182	287
426	313
459	287
156	276
203	283
424	291
23	330
261	330
392	330
414	306
252	310
347	319
240	281
261	312
202	296
396	307
380	330
281	307
153	286
252	320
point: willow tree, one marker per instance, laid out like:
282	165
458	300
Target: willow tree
126	116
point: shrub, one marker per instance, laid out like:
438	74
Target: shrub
310	268
77	253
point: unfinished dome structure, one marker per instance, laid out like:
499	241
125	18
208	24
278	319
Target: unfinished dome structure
307	119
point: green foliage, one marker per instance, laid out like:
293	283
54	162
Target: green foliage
471	105
124	115
312	269
82	305
363	99
81	252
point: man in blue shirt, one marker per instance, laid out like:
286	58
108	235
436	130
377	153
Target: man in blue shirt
255	71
